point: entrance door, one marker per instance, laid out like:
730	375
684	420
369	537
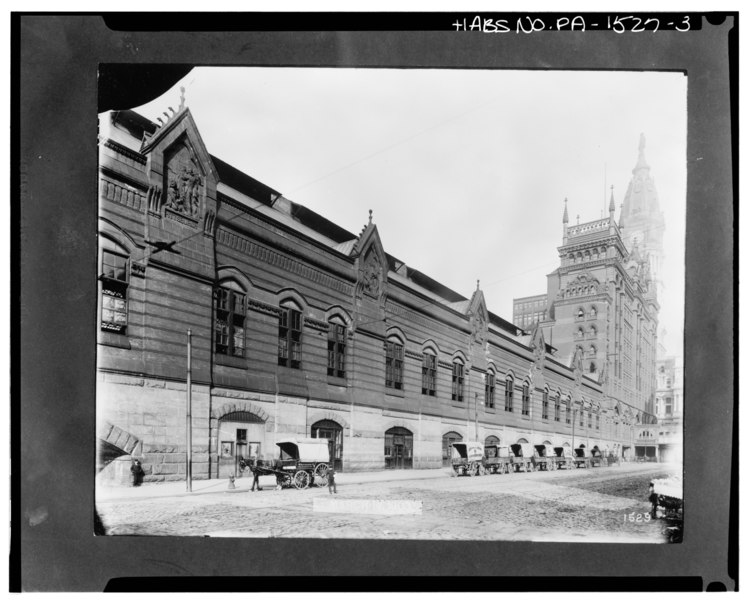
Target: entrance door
330	430
398	448
240	435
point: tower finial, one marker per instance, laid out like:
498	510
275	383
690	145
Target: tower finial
370	213
612	205
181	97
478	285
566	212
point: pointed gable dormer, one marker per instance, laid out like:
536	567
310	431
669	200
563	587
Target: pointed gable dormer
182	197
371	267
478	315
181	173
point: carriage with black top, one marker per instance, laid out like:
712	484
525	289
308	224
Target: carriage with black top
303	462
522	457
581	458
498	459
596	458
544	457
468	459
563	458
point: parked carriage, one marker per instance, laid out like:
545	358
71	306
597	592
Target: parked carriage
563	458
543	458
596	460
666	496
468	458
522	457
498	459
303	462
581	458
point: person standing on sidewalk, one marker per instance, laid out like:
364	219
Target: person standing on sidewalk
255	474
331	486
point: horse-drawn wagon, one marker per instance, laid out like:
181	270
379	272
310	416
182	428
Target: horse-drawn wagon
303	462
498	459
666	496
543	458
563	458
522	457
596	460
581	459
468	459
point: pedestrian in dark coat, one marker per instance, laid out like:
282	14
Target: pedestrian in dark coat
331	486
136	473
256	474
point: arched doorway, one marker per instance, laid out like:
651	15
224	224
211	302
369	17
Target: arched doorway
398	448
333	432
241	434
447	440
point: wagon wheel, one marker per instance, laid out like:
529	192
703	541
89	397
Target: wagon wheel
301	479
320	474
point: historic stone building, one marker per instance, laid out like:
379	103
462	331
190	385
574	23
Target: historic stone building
601	309
300	328
669	409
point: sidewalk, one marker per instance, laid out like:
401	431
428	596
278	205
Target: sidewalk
243	484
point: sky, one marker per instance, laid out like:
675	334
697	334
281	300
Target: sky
465	171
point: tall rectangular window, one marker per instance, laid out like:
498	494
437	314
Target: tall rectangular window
525	399
545	404
597	421
568	412
557	409
490	389
113	292
336	341
428	375
509	395
394	365
458	381
229	326
289	338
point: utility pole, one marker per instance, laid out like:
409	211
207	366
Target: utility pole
476	416
188	469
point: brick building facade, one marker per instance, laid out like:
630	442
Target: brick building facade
299	329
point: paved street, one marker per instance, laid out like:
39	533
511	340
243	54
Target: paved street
585	505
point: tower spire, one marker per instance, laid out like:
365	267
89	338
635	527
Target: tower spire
612	205
566	212
641	163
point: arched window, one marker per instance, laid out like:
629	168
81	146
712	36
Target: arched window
593	351
229	301
336	343
593	312
393	368
490	388
593	331
525	398
557	408
113	281
289	335
509	395
544	413
580	333
458	381
428	373
580	313
568	410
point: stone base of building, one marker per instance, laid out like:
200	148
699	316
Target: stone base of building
145	419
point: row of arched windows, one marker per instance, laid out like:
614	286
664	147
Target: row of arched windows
587	255
581	314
